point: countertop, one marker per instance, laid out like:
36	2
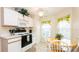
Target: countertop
11	36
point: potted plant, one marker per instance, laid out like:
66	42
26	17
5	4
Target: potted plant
23	12
59	36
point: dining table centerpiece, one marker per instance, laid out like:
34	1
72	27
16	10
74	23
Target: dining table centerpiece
59	36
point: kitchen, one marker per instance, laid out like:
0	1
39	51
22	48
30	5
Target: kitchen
23	29
15	28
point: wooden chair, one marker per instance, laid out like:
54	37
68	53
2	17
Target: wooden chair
58	46
75	46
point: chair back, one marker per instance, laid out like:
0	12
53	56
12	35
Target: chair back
59	46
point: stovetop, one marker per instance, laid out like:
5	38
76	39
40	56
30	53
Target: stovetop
22	33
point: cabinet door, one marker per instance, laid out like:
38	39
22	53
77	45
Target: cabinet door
14	47
26	21
29	21
21	21
10	17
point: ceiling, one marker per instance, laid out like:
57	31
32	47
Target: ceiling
48	11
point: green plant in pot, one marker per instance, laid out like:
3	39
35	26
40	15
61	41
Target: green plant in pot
59	36
23	12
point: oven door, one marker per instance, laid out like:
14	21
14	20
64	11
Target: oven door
26	40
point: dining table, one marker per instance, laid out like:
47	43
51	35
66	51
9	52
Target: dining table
71	45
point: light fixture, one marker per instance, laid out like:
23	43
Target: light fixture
40	13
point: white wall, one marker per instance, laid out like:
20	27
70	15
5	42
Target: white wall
36	29
75	23
64	12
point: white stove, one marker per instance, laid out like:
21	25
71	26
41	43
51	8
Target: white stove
26	41
26	37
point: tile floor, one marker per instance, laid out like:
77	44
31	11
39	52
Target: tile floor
40	47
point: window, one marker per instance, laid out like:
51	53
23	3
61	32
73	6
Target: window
64	29
46	31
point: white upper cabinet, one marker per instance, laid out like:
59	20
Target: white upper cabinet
21	21
29	21
10	17
24	21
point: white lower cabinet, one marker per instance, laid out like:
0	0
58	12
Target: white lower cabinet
11	45
14	46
